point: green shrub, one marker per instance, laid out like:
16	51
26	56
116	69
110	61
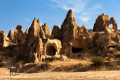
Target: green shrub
98	61
53	58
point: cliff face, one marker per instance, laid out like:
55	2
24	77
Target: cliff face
70	39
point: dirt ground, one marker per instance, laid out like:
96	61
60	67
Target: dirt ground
94	75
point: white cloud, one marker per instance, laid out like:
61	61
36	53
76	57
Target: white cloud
27	20
80	8
83	18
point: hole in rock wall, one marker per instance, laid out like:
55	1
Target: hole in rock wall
51	50
110	25
75	50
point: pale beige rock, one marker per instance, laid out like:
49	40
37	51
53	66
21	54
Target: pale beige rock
18	34
46	30
63	58
113	22
68	27
11	35
52	47
103	22
5	41
34	29
36	61
56	32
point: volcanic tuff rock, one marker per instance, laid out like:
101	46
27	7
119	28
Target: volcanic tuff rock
113	22
56	32
68	27
25	34
11	35
2	36
103	22
70	40
18	34
4	41
46	30
34	30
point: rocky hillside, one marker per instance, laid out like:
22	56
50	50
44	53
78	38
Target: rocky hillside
70	40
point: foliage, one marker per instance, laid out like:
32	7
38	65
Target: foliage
98	61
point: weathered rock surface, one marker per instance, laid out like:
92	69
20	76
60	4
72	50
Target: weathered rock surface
46	30
113	22
18	34
25	34
4	41
68	27
52	47
56	32
11	35
34	30
70	40
103	22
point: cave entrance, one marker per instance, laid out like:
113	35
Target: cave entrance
75	50
51	50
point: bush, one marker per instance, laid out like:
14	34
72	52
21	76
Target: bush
98	61
53	58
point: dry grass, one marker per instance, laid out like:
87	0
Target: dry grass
35	68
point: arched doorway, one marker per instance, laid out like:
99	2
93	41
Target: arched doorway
50	50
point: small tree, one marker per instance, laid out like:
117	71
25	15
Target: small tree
98	61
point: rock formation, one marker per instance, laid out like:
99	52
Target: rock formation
34	30
68	27
56	32
52	47
11	35
18	34
4	41
46	30
2	37
70	39
25	34
103	22
113	22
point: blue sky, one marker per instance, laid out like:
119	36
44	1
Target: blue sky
14	12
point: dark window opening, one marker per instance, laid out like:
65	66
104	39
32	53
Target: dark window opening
32	44
51	51
18	41
75	50
112	46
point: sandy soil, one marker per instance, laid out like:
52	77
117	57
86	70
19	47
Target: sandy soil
95	75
